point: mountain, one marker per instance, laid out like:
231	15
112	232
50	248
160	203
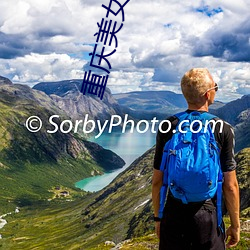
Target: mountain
243	175
106	215
232	110
242	130
122	210
67	96
216	105
237	114
33	166
142	100
138	105
32	163
4	80
149	104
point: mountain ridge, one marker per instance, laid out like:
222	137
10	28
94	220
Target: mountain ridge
66	94
237	113
230	111
58	159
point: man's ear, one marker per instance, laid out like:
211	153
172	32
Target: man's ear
207	95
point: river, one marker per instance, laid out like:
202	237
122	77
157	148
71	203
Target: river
128	146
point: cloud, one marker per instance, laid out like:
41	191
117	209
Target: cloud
160	40
231	45
34	68
45	27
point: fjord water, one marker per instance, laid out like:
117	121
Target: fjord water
128	146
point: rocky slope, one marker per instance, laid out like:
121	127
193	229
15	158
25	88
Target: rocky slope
237	114
243	175
31	163
232	110
4	80
67	96
242	130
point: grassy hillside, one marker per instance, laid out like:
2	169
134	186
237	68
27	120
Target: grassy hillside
86	222
54	225
243	175
121	211
32	163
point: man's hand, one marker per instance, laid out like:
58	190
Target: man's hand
232	236
157	228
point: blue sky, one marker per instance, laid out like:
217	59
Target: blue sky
50	40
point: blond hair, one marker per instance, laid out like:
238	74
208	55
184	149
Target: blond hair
195	83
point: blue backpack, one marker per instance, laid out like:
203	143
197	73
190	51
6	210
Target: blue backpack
191	162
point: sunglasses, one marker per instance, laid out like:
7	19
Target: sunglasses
216	87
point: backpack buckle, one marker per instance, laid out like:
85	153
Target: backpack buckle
172	152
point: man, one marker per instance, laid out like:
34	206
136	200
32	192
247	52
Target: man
194	225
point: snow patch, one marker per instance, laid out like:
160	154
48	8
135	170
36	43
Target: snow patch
142	204
143	186
2	223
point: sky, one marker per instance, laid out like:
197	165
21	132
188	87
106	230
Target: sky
159	41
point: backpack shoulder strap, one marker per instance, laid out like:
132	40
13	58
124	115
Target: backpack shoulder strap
207	116
182	115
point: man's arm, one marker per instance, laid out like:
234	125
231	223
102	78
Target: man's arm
157	178
231	195
156	187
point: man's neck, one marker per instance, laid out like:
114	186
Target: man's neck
198	107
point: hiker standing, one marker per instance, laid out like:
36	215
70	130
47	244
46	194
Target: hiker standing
192	169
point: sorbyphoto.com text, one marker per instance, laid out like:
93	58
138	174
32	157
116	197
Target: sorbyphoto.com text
87	126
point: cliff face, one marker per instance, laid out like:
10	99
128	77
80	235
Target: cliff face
67	97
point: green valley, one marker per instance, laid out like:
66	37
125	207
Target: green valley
32	163
120	212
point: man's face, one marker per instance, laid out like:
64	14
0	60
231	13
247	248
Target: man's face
211	93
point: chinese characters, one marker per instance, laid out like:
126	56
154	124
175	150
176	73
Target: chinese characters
94	83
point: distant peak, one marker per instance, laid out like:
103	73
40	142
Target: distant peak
4	80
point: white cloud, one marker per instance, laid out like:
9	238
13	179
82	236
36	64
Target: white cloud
48	40
34	68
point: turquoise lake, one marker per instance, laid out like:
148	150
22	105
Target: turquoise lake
129	146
